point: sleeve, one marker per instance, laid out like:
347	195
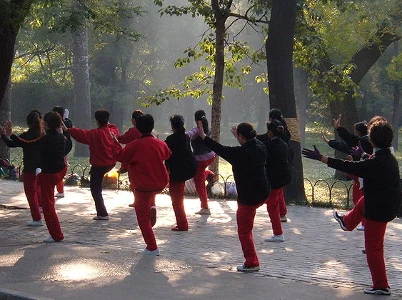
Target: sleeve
10	143
129	136
360	168
193	133
80	135
340	146
69	143
121	154
227	153
31	144
349	138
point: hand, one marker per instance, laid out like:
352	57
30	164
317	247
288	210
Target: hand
357	152
234	131
324	137
9	128
201	132
312	154
337	122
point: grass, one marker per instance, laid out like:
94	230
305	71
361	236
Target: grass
319	179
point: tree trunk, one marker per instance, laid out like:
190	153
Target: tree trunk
396	105
5	115
301	89
82	101
279	48
218	78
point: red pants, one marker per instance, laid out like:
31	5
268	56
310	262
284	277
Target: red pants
32	192
142	205
273	208
245	221
176	190
47	182
283	210
60	184
199	181
374	232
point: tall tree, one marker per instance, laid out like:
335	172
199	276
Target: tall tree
279	49
12	16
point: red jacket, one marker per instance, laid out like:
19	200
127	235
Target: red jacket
100	143
145	157
129	136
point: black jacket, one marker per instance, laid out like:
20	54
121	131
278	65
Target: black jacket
182	164
277	166
51	147
382	195
353	140
31	157
248	166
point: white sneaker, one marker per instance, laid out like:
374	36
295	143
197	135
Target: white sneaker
59	195
284	219
35	223
49	239
203	211
243	268
360	228
153	252
276	238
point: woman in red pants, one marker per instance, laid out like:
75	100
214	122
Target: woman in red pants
381	201
31	159
204	156
248	165
181	166
278	170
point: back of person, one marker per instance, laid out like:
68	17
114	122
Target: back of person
147	171
182	165
52	152
277	166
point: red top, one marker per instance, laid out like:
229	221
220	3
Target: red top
145	157
100	143
129	136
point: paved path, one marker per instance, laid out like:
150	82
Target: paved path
317	257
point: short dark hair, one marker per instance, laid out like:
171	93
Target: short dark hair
177	122
145	123
246	130
136	113
52	119
60	110
381	134
361	127
102	116
275	126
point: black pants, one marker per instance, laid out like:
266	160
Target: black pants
95	184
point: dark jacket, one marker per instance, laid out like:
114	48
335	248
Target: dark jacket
382	195
353	140
31	157
51	147
285	136
277	166
182	165
248	166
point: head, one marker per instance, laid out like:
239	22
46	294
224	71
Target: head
276	114
245	132
60	110
102	117
34	121
177	123
200	115
52	120
135	115
380	134
275	128
145	123
360	128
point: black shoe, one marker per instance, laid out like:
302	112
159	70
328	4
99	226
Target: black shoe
374	291
122	171
339	219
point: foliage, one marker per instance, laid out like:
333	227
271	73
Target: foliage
239	57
